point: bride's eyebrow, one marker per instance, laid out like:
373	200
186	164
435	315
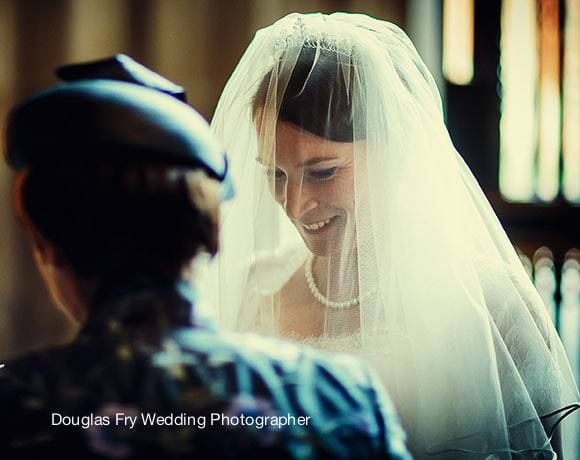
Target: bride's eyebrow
313	161
302	164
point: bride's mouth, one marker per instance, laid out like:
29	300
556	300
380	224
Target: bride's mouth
316	228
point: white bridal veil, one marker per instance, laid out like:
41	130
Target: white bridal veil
358	227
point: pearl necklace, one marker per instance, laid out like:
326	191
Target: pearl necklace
318	295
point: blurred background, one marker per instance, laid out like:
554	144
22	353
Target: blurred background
508	72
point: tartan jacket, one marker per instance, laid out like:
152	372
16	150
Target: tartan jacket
145	381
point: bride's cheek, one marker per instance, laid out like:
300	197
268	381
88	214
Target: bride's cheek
343	186
338	193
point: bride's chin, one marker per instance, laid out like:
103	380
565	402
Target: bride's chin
319	250
323	245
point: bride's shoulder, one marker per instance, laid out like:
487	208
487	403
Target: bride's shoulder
278	258
274	268
266	274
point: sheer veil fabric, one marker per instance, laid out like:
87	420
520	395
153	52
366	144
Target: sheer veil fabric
359	228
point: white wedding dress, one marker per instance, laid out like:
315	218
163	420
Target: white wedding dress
382	351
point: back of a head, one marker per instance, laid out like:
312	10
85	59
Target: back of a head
120	221
121	178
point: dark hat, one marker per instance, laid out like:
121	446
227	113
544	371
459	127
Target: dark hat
113	110
121	68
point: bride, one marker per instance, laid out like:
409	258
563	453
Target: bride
359	229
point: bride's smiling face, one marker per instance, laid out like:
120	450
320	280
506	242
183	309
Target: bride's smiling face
312	178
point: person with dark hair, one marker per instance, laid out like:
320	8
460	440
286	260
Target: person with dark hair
358	228
118	185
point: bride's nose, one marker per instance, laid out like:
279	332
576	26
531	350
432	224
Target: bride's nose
297	201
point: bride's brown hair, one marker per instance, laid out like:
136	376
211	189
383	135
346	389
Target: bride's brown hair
318	97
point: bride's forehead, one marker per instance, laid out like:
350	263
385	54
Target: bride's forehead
291	137
291	144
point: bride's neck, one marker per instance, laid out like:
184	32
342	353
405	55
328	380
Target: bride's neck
336	275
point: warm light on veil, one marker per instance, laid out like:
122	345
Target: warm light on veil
413	271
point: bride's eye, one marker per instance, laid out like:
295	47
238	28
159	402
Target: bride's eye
275	173
322	174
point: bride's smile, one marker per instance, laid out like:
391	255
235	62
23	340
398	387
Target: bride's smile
318	227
